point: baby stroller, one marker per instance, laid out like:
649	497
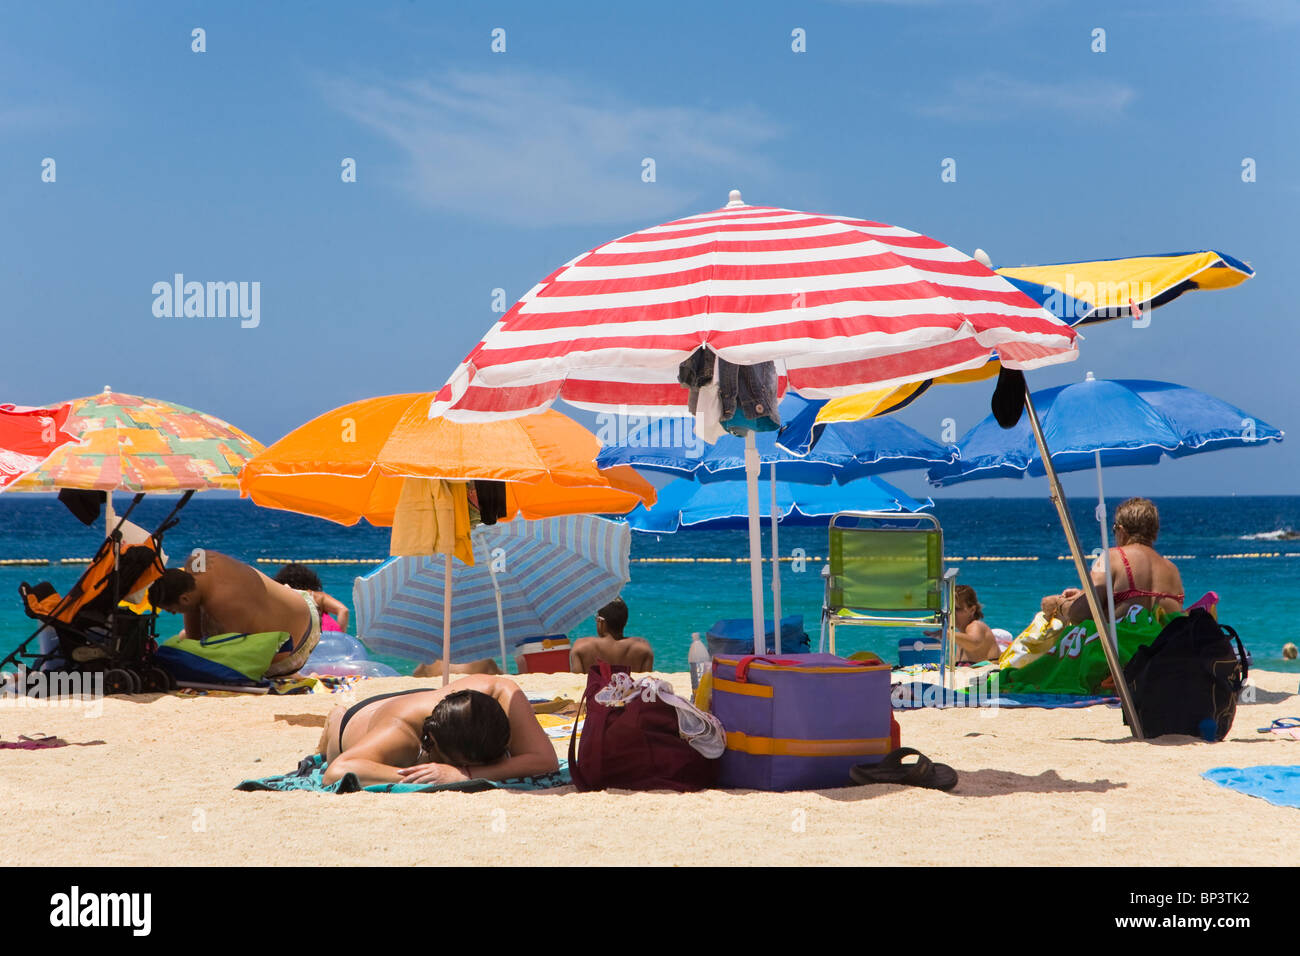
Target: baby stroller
92	631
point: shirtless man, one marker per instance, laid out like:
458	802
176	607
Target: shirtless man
219	595
610	645
1139	575
476	727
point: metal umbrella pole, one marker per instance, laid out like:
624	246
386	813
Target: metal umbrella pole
755	548
776	563
1072	538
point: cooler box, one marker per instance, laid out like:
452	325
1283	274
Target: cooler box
735	636
800	721
920	650
543	655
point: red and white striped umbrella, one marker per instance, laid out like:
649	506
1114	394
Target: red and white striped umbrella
839	304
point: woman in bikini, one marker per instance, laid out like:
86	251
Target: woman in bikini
475	727
1139	575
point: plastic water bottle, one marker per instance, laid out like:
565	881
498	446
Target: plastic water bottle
698	659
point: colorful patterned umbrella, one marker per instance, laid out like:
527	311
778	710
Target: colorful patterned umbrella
28	436
129	443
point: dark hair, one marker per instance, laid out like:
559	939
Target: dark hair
965	594
469	728
299	577
167	590
614	614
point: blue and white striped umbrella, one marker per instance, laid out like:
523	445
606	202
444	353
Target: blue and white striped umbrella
549	574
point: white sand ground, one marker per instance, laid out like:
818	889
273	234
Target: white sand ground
150	782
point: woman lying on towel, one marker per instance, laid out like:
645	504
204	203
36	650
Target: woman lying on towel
476	727
1139	575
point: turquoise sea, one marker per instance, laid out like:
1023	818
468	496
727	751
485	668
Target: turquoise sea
1207	536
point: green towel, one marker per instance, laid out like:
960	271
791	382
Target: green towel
311	772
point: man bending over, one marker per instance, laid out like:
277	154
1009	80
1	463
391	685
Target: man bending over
218	595
476	727
610	644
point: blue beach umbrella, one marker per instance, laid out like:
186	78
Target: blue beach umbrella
1097	422
687	504
529	578
843	452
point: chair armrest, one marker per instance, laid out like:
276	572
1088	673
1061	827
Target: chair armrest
950	574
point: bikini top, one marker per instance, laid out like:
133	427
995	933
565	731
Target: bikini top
1136	592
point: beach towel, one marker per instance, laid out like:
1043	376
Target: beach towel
1071	660
221	658
1280	786
311	771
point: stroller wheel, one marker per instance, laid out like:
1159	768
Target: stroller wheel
117	681
137	682
156	680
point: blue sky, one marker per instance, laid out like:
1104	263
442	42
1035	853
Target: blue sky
479	170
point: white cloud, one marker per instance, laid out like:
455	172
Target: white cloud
536	149
991	96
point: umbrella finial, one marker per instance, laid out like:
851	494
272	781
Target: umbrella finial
983	259
107	390
733	198
1089	377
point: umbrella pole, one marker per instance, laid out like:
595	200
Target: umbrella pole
1113	629
755	544
776	566
1085	579
446	623
501	621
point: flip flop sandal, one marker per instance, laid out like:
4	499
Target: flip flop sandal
891	769
1282	723
39	742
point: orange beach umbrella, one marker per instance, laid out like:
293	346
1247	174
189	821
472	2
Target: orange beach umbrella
350	463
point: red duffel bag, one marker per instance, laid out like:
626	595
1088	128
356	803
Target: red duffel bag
636	746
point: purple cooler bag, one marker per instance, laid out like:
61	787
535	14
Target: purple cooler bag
800	721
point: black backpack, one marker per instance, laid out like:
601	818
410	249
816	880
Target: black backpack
1188	679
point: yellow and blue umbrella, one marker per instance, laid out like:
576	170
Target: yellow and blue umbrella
1079	293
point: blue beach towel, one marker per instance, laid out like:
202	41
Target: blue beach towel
311	771
918	694
1280	786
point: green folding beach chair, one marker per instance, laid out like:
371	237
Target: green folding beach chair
886	570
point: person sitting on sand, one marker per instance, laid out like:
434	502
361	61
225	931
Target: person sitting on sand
610	644
333	612
1139	575
486	665
219	595
975	639
476	727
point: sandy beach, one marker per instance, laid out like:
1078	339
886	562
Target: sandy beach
149	781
